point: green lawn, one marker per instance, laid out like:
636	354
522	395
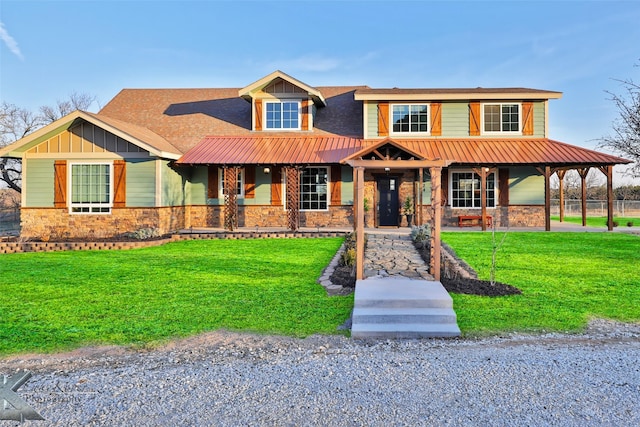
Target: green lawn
599	221
61	300
566	278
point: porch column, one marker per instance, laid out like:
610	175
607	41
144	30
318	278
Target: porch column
436	221
583	185
483	197
230	174
547	198
561	174
359	200
355	204
608	171
293	197
419	198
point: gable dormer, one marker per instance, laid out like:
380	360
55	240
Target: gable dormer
281	103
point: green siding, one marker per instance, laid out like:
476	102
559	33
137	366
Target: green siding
526	186
39	183
141	183
455	119
174	185
372	121
347	185
263	189
538	119
197	186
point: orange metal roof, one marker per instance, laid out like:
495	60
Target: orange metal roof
330	149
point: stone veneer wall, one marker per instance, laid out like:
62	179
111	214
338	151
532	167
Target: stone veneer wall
57	224
513	216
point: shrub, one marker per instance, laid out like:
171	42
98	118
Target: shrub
615	223
421	233
630	224
349	257
144	233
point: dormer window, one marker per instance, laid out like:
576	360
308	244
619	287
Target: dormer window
410	118
282	115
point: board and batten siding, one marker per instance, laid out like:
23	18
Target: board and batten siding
539	119
38	181
526	186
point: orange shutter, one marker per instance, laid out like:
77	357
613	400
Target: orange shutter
474	118
503	187
212	182
305	115
336	185
383	119
258	114
250	182
276	186
60	184
444	186
119	183
527	118
436	119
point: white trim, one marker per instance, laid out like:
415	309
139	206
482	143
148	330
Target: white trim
221	186
280	101
459	96
500	132
328	185
70	204
495	189
409	133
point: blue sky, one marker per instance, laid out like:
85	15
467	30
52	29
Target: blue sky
50	49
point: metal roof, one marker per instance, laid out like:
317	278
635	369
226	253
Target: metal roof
319	150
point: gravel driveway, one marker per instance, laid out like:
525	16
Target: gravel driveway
224	378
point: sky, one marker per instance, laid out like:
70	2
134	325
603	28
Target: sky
51	49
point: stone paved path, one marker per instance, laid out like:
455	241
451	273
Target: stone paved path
393	254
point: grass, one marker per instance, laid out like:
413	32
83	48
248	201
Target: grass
599	221
566	279
62	300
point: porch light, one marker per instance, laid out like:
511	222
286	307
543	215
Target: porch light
387	170
266	170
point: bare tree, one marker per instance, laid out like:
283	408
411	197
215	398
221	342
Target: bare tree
17	122
626	128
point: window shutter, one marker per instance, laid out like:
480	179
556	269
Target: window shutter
212	182
383	119
474	118
436	119
258	114
445	187
276	186
305	114
60	184
119	183
336	185
250	182
527	118
503	187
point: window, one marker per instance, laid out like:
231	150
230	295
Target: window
91	188
313	188
410	118
501	118
239	183
465	190
282	115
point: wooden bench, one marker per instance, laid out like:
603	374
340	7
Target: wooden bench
473	220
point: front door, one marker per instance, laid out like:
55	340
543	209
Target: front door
388	205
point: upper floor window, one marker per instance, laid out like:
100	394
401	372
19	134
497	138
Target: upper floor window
501	118
91	188
410	118
282	114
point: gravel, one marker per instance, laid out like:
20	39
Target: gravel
224	378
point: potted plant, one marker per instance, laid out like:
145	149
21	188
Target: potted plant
366	207
407	208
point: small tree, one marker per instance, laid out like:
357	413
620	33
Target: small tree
626	128
495	247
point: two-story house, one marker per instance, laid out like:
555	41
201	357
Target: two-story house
280	153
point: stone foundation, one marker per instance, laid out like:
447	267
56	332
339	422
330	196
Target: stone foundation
513	216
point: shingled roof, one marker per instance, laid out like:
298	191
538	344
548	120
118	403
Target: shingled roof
184	116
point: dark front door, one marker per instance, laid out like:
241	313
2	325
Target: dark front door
388	207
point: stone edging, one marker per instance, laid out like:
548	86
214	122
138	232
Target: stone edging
20	247
325	278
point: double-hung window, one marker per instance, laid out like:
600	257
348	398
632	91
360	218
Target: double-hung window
465	190
501	118
410	118
313	188
91	188
282	115
239	182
